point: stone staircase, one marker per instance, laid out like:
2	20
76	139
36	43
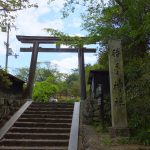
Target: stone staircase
42	126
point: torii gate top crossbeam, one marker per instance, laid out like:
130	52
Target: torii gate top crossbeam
49	40
39	39
69	50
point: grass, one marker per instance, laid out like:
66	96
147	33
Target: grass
69	100
123	140
106	141
98	127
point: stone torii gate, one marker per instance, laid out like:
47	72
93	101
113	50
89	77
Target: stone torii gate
36	41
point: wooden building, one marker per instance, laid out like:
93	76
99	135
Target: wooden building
99	83
99	87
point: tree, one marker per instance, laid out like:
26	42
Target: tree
22	73
48	81
129	21
124	19
4	80
45	89
72	82
7	9
43	71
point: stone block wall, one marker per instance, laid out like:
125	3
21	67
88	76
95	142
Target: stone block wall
88	140
91	111
9	104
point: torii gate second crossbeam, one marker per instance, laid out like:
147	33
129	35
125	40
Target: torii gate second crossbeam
36	40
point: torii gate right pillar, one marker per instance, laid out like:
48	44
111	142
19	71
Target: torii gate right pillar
82	74
117	90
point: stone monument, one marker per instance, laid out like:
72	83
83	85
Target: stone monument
117	90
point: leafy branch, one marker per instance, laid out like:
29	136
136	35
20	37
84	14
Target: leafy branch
72	41
9	6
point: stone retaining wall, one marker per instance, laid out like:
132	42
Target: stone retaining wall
90	111
8	106
88	139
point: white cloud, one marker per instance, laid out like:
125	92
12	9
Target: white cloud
32	22
71	62
66	64
90	59
56	5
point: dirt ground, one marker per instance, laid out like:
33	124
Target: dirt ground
92	140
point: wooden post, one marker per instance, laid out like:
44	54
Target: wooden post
82	74
117	89
102	106
30	83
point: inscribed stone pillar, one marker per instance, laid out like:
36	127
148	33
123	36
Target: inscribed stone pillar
82	74
117	89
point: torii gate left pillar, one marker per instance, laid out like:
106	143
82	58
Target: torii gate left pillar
36	40
30	83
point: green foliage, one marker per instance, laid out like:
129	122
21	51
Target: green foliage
129	21
137	90
126	20
137	84
74	76
98	127
45	89
22	73
107	141
62	85
143	137
14	5
71	100
123	140
43	71
72	41
73	84
4	80
137	77
7	9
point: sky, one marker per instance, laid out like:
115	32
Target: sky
32	22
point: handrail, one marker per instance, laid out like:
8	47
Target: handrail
74	134
13	119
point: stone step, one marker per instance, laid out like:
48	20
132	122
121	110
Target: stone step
44	120
51	106
49	109
50	112
54	136
45	116
44	125
39	130
33	148
29	142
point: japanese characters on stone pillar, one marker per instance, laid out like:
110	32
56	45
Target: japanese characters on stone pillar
117	89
